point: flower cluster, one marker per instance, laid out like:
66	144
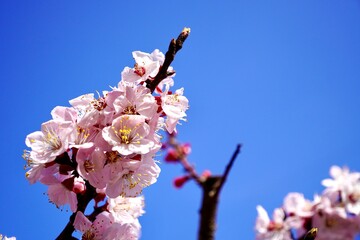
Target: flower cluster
7	238
106	145
119	221
335	213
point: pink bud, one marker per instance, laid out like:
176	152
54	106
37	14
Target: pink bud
172	156
206	173
186	148
180	181
79	185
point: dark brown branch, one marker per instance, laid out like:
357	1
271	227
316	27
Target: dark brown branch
174	47
83	201
208	210
211	191
229	166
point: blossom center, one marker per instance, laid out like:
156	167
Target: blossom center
130	110
112	157
52	139
89	166
124	134
99	104
88	235
140	71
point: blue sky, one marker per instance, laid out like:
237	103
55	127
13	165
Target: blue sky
280	77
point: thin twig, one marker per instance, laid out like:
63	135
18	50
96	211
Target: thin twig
229	166
191	170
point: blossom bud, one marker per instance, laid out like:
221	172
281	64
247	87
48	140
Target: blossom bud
186	148
79	185
172	156
206	173
180	181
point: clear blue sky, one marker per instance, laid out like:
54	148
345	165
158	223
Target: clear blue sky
281	77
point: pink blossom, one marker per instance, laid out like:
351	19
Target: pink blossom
146	66
64	114
333	222
296	204
91	166
50	142
7	238
59	192
126	210
93	230
136	100
174	106
126	231
128	134
90	111
275	229
344	188
129	183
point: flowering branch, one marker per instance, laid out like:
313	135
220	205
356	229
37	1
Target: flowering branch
104	148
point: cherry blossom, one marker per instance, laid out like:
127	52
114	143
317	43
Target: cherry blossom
60	190
275	229
126	209
146	66
344	188
93	230
174	106
7	238
130	183
50	142
136	100
128	134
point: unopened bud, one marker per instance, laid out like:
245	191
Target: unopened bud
186	148
79	185
180	181
172	156
206	173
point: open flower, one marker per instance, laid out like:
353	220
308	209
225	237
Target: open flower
275	229
146	66
344	188
136	100
50	142
128	134
174	106
130	182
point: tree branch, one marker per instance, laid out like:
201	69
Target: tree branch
83	201
174	47
211	191
229	166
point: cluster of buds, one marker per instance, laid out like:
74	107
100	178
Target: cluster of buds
178	153
335	213
103	148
